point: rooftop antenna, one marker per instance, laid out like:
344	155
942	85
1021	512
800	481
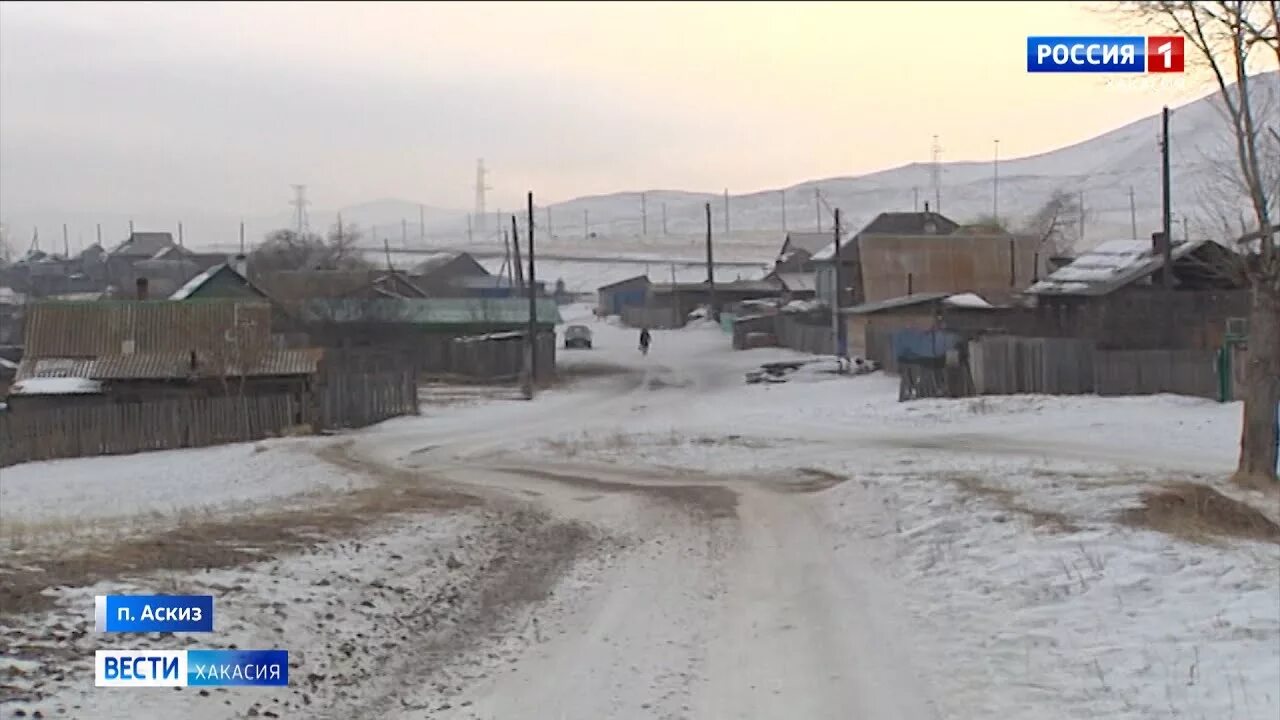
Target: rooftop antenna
299	204
481	187
936	172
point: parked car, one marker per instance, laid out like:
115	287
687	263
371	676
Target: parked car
577	336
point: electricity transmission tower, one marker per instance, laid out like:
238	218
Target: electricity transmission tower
481	187
299	204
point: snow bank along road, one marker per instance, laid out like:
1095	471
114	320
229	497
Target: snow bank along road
658	540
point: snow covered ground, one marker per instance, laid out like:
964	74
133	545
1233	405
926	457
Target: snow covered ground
654	538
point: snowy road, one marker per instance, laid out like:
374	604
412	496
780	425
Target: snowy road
654	540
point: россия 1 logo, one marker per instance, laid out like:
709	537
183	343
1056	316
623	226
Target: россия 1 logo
1105	54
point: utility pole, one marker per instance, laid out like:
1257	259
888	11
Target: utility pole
533	310
506	269
664	219
1082	216
1166	273
936	171
242	233
386	247
550	234
817	206
181	242
586	224
644	216
470	238
130	227
711	273
100	236
404	232
837	325
515	253
422	224
1186	233
915	199
1133	214
783	194
995	185
481	187
726	211
66	243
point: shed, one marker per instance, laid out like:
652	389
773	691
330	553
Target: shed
612	298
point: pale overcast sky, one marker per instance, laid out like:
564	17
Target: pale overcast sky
169	106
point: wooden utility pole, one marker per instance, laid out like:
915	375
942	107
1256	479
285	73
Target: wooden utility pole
1166	227
726	211
130	227
242	233
66	242
550	234
515	252
817	206
915	199
1133	214
470	239
533	310
837	325
586	224
711	271
404	232
664	219
783	194
644	216
422	224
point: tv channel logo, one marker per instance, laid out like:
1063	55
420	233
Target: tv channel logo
153	613
1105	54
190	668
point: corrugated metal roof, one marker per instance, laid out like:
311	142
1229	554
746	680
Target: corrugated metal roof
94	329
1108	267
799	282
895	303
432	311
168	366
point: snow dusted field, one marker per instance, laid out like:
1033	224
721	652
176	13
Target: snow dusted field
653	538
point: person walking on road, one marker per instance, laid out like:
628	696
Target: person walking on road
645	339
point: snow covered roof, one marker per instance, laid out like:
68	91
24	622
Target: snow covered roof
144	244
810	242
8	364
971	301
56	386
1108	267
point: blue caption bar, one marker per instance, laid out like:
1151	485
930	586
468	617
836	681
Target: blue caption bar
153	613
1086	54
238	667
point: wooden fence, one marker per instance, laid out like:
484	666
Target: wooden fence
113	429
802	337
353	400
1001	365
501	358
654	318
1014	365
1148	372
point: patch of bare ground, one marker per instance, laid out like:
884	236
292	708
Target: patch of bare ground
809	480
1199	513
1008	499
201	543
712	501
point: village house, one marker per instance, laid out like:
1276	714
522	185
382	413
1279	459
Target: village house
1114	295
631	292
425	329
142	350
441	274
798	249
904	253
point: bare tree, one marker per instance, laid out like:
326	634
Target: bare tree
1056	225
287	250
1228	39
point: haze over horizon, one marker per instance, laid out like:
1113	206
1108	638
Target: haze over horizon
177	108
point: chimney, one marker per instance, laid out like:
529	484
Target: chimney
241	265
142	288
1157	244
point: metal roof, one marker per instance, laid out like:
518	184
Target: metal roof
810	242
634	279
895	303
95	329
922	224
432	311
1109	267
144	244
169	366
799	282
